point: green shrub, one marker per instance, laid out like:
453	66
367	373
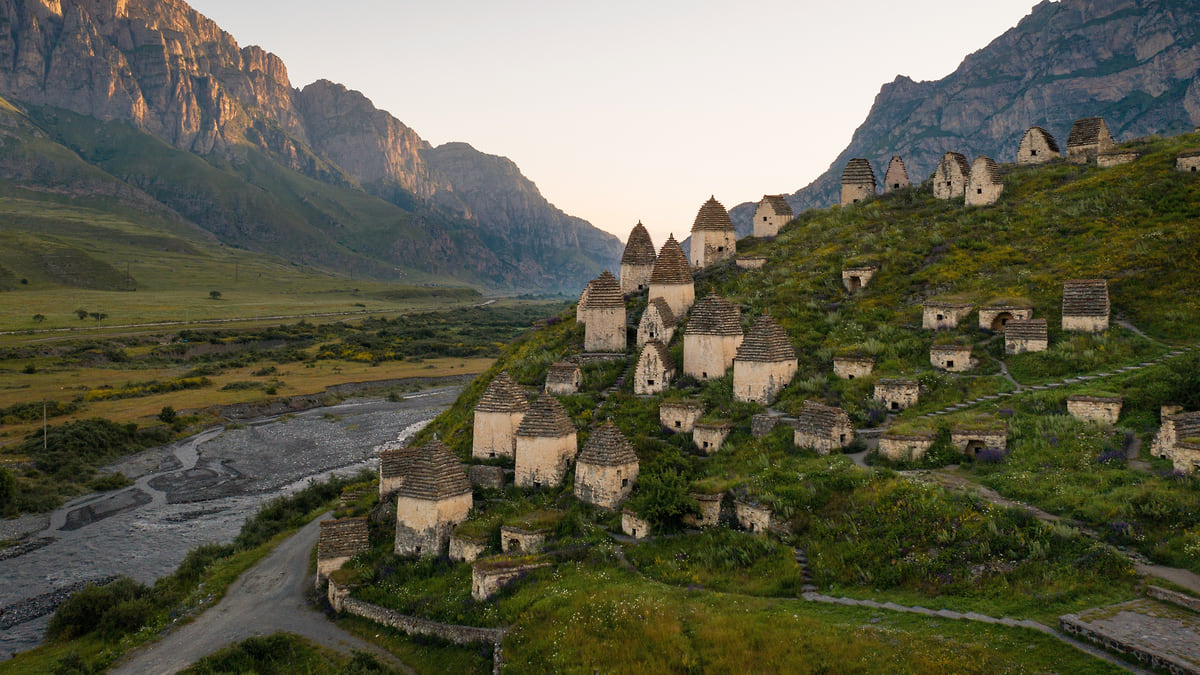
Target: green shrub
113	608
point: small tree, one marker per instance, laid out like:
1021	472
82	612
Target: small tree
81	313
38	318
214	295
8	491
167	415
98	316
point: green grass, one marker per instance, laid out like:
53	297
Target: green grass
284	654
721	560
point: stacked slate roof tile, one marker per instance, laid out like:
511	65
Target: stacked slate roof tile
562	372
342	538
1087	131
715	315
434	474
1050	142
1187	425
858	172
1193	152
639	250
712	216
1031	329
394	462
664	356
605	292
546	419
766	342
898	382
991	170
664	311
956	159
671	267
1085	297
820	420
778	205
503	395
607	446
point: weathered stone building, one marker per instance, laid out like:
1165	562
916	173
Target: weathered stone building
1095	408
850	367
654	370
680	416
905	447
823	428
546	444
607	468
1178	440
897	394
942	315
952	358
393	467
951	176
773	212
339	541
752	516
605	327
1107	160
497	416
515	540
486	476
637	262
564	378
489	575
1088	138
434	499
856	278
1085	305
713	237
751	262
985	185
657	323
581	308
1037	147
971	442
712	337
710	436
634	526
671	279
896	176
1029	335
858	181
1188	161
765	363
995	317
466	549
710	510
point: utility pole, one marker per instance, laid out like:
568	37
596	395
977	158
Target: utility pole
45	440
235	272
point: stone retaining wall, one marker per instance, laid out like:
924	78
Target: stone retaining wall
1071	625
1174	598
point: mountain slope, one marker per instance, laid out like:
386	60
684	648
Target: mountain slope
1133	62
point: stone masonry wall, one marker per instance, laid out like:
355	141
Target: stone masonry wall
543	461
902	396
1095	410
423	527
936	317
679	297
411	625
633	526
988	317
1188	164
485	581
991	439
605	330
954	361
848	369
857	278
464	549
1085	324
495	434
679	419
710	511
759	382
516	540
604	486
910	448
707	357
853	193
752	517
710	247
708	439
635	278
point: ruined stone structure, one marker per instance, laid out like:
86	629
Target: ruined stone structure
1178	440
896	177
856	278
497	415
607	468
952	358
1021	336
679	416
634	526
752	517
1037	147
1089	137
1107	160
434	499
637	262
709	437
748	262
658	323
713	237
654	370
850	367
773	212
858	181
671	279
995	317
905	447
519	541
710	510
546	444
490	575
897	394
985	186
971	442
1188	161
605	327
765	363
393	467
563	378
1095	408
1085	305
466	549
485	476
938	315
951	176
339	541
713	335
581	309
823	428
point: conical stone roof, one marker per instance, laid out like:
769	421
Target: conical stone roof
607	446
605	292
639	250
766	342
712	216
672	265
858	172
503	395
435	474
715	315
778	205
546	419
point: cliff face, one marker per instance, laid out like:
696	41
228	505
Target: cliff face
171	72
1135	63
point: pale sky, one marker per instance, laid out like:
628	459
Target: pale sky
624	110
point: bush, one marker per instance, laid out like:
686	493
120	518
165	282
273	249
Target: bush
8	492
89	610
167	415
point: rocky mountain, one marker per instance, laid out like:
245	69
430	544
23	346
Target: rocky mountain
171	73
1133	62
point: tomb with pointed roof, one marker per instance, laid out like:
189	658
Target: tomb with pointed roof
671	279
951	176
1089	138
605	327
434	498
772	213
765	363
896	176
654	370
858	181
712	337
1037	147
546	444
497	415
713	236
637	263
606	469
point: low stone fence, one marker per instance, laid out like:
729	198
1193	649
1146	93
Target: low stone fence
1174	598
341	601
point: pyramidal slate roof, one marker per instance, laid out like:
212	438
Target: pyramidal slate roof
778	205
435	474
1086	131
664	356
607	446
858	172
952	159
664	311
562	372
639	250
896	164
503	395
343	537
1031	329
820	420
1187	425
712	216
605	292
986	170
766	342
1085	297
394	462
715	315
546	419
672	265
1050	142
